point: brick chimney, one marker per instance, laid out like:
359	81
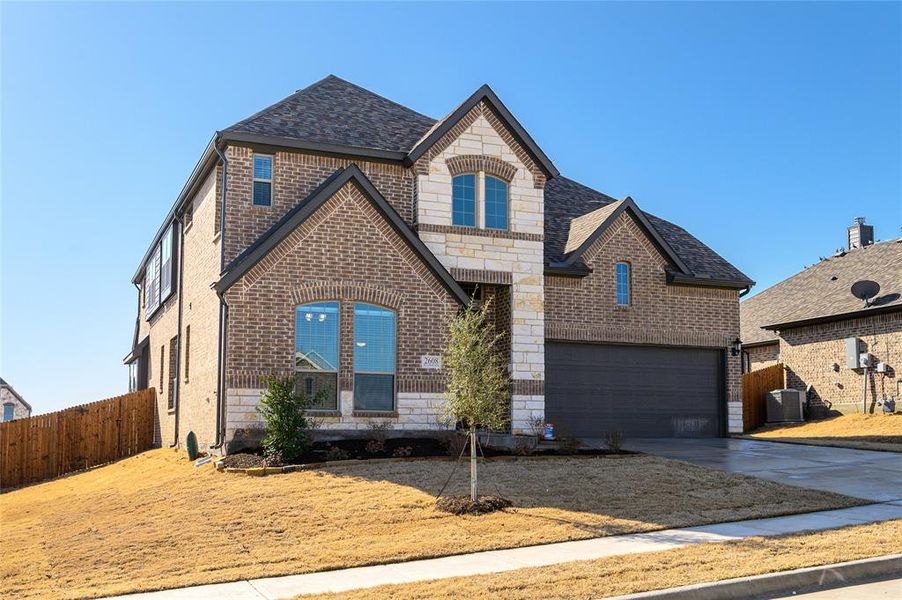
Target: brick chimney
860	234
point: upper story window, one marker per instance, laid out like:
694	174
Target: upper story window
374	357
463	200
262	180
495	203
159	273
9	411
479	200
622	271
316	353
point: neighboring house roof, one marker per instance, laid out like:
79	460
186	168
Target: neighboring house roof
822	293
3	384
571	206
297	215
334	111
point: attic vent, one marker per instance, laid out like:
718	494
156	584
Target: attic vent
833	278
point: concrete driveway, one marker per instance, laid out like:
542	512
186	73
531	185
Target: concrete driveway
860	473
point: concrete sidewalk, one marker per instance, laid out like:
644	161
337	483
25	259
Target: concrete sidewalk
479	563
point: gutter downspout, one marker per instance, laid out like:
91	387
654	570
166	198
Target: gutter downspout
223	308
745	291
178	343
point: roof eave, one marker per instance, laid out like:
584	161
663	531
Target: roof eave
204	165
866	312
485	93
684	279
341	150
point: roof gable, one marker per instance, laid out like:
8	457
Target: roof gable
487	95
12	391
567	200
293	218
585	229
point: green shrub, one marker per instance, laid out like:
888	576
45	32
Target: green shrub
283	410
191	445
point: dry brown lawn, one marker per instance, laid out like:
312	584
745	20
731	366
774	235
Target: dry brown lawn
863	431
153	521
617	575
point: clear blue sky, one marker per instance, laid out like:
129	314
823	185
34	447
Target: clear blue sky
761	128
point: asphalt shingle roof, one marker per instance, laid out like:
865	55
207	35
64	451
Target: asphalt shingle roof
823	290
334	111
567	201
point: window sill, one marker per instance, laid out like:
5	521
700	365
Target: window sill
390	414
216	236
324	413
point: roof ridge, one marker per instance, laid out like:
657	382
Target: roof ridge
368	91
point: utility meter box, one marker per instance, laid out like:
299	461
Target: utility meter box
865	360
853	352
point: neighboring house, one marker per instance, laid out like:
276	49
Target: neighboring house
805	321
14	406
331	234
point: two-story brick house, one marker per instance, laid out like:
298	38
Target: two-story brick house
331	234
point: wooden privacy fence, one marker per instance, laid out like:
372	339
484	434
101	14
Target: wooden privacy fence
755	386
47	446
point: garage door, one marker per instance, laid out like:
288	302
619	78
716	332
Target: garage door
641	391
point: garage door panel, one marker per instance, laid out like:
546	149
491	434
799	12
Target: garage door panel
641	391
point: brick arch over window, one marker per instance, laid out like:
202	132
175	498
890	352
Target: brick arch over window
471	163
345	290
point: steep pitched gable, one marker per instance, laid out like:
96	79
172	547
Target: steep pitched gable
484	95
257	251
584	230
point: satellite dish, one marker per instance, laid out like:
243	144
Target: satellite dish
865	290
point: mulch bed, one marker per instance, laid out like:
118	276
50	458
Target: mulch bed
363	449
462	505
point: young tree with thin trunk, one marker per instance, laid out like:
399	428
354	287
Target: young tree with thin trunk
477	378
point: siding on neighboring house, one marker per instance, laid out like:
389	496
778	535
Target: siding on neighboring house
20	411
809	354
763	356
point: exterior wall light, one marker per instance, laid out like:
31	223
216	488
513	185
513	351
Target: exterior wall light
736	348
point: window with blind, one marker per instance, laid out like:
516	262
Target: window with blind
316	353
623	283
160	273
374	358
262	180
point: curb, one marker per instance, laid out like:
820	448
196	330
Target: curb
822	577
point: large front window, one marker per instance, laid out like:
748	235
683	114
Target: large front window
463	200
374	358
316	353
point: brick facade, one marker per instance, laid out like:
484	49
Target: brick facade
809	354
585	309
345	251
762	356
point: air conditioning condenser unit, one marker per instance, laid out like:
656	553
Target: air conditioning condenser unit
785	406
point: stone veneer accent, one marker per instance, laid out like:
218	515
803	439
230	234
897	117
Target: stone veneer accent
519	251
808	354
585	309
345	251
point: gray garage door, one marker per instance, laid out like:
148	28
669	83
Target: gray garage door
641	391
